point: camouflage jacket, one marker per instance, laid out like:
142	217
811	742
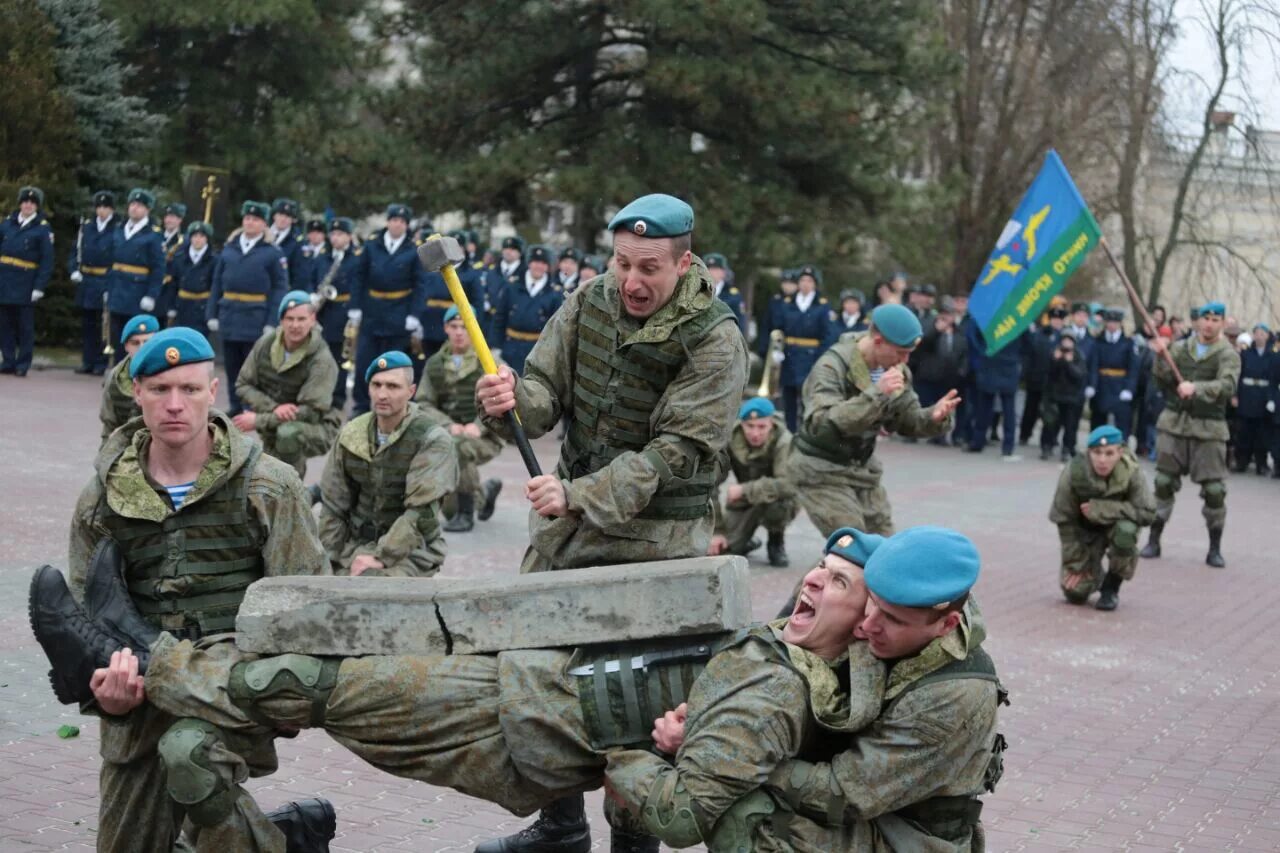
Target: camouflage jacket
117	397
316	397
746	460
1124	495
276	497
1216	392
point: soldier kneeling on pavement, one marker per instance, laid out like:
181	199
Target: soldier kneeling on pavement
763	495
447	395
384	481
1101	504
118	402
286	386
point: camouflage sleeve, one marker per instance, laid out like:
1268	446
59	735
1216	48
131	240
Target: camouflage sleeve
292	545
768	490
428	399
546	388
827	400
335	506
84	537
691	423
916	751
746	715
907	417
1065	509
1137	505
1162	373
1222	387
246	382
433	473
315	398
106	412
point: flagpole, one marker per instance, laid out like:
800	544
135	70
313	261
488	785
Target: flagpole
1138	307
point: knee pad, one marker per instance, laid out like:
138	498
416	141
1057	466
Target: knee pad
300	676
1214	493
191	780
1167	485
1124	537
288	438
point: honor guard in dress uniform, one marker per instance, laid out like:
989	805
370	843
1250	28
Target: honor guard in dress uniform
286	387
1037	355
718	267
89	268
591	266
763	494
310	248
851	318
509	270
1101	505
1113	375
773	311
447	394
137	265
192	273
1191	434
174	239
439	300
284	235
808	327
566	274
250	279
335	276
118	403
525	308
1257	368
384	481
392	287
1079	329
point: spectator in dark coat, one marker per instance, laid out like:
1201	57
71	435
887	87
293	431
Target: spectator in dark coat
943	362
1254	391
994	376
1063	401
1041	344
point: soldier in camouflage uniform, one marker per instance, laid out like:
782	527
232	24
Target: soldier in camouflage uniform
447	395
286	387
384	481
1191	434
118	404
762	494
858	387
214	487
1101	504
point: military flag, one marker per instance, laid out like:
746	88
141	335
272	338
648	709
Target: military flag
1049	235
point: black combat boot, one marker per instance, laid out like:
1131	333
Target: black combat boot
628	842
1109	598
308	825
107	601
1153	541
74	644
560	828
777	550
491	488
465	518
752	544
1214	557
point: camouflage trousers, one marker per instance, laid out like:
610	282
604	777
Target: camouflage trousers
740	522
1083	547
838	496
472	453
293	442
1205	462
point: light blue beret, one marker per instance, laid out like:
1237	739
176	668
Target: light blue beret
168	349
923	567
854	545
1105	436
142	324
451	314
1263	326
756	407
655	215
1218	308
387	361
899	325
293	299
255	208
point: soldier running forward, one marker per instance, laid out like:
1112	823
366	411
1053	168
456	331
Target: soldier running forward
794	735
447	394
118	402
858	387
1102	503
286	386
197	513
652	366
762	495
1191	434
384	481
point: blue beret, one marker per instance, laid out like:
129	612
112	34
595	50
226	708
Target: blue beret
287	206
923	567
142	196
403	211
655	215
452	314
293	299
387	361
168	349
756	407
344	224
198	227
854	545
1218	308
1105	436
142	324
1263	326
899	325
255	208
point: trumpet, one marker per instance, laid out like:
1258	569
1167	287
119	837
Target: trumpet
349	345
109	349
324	293
767	381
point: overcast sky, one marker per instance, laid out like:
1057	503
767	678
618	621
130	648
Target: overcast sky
1256	98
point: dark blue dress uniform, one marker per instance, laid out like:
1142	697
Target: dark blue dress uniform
291	247
26	262
496	281
1113	369
520	318
173	246
302	268
333	316
192	282
391	286
246	293
807	334
92	259
439	301
730	296
137	270
1253	433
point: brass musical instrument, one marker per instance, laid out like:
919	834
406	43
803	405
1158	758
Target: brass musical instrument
327	291
349	345
109	349
769	371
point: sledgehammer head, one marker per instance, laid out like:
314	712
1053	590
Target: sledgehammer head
438	252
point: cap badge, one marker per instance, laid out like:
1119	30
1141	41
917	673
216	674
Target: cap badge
172	355
640	227
382	364
844	541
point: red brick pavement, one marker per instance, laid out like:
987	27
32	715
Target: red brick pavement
1155	728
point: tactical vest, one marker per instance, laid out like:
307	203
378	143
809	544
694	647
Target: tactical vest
187	574
825	441
752	463
460	407
283	386
616	388
380	485
1193	370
